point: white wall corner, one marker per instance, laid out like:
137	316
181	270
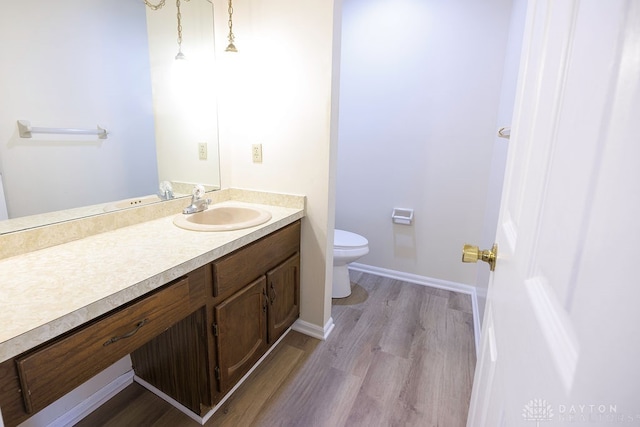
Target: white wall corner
312	330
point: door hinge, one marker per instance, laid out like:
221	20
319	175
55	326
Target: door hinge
217	372
215	329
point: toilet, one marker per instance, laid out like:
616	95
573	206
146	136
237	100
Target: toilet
347	247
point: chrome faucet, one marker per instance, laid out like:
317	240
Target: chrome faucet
198	203
166	191
165	195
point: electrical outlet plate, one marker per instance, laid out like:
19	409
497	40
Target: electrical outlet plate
202	150
256	153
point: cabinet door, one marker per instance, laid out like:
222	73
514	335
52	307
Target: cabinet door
283	290
241	332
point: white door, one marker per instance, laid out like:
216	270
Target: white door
561	332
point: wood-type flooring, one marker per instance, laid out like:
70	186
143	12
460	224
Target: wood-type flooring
401	354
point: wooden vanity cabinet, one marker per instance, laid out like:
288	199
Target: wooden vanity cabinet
33	380
258	289
202	333
245	301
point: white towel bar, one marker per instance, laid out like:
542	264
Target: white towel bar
25	130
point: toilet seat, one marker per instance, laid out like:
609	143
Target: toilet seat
345	240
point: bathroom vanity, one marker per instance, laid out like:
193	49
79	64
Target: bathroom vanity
241	305
193	329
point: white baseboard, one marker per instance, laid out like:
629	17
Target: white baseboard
94	401
313	330
429	281
200	420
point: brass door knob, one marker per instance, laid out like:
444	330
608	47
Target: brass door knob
472	253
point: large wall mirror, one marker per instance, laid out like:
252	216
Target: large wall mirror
84	63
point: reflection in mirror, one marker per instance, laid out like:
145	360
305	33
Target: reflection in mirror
82	63
184	97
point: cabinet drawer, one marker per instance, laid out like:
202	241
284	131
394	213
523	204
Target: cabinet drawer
243	266
52	371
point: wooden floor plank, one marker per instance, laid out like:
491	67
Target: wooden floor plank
403	322
461	302
401	354
420	395
145	410
319	399
171	418
239	409
379	394
459	363
356	342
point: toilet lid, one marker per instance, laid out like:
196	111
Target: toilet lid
347	240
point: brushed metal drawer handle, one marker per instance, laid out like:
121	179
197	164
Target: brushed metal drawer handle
128	334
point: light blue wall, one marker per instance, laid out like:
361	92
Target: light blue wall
75	64
420	95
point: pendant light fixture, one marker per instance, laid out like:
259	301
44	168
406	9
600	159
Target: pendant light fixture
231	47
180	55
159	5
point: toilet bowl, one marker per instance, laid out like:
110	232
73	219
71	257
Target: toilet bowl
347	247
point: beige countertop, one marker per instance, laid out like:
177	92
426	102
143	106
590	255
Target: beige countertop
50	291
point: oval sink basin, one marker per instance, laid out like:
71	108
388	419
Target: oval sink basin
222	218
